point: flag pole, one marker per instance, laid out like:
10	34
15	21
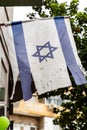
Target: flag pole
30	20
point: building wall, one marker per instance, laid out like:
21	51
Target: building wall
6	14
27	121
30	113
48	124
33	113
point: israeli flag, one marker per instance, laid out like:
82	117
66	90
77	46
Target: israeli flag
46	49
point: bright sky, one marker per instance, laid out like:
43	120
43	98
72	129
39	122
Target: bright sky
21	12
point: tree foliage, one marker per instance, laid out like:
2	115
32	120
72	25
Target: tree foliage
73	115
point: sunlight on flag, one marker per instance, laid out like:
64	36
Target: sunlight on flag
45	49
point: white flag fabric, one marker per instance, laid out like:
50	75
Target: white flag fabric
44	48
73	45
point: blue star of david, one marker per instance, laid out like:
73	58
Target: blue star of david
49	54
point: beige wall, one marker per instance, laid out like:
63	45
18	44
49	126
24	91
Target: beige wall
38	122
33	108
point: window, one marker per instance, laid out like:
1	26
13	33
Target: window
56	100
1	110
2	93
3	80
22	126
32	128
18	126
